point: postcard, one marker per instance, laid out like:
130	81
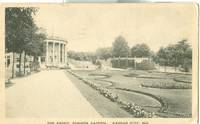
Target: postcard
130	63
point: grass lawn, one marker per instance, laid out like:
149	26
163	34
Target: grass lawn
179	101
104	106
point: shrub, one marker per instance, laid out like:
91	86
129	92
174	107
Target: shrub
122	63
137	111
183	79
130	63
167	85
150	77
131	75
98	63
145	65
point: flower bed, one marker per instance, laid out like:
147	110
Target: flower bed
135	110
158	98
150	77
167	85
131	75
100	74
183	79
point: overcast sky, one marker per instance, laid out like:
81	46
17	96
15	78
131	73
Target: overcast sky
87	28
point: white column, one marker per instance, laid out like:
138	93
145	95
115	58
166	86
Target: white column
66	57
63	57
53	52
59	53
47	52
64	53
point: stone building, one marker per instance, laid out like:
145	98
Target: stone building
56	52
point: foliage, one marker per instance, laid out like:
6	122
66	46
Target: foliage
104	53
123	63
120	47
179	54
131	75
37	46
183	79
81	56
137	111
98	63
167	85
19	23
130	63
145	65
21	33
140	50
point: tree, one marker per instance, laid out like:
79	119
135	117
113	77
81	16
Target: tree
187	60
184	53
140	50
120	47
162	55
71	54
21	33
35	48
81	55
182	47
104	53
172	55
18	21
176	54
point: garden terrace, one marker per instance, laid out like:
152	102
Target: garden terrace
175	102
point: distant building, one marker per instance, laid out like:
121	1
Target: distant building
136	59
56	52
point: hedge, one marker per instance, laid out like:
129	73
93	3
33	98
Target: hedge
127	63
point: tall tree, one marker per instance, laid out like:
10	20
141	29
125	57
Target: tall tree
140	50
120	47
172	55
19	25
175	55
182	47
36	47
162	56
184	53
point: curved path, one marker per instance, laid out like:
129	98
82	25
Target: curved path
47	94
111	85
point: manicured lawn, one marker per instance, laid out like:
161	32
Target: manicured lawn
104	106
178	100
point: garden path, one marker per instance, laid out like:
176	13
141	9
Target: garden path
47	94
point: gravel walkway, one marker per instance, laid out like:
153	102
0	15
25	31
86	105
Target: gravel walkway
47	94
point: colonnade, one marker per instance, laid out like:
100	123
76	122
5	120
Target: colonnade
55	52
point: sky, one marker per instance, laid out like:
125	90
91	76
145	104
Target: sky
87	27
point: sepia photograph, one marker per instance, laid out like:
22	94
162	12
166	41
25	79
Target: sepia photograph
101	61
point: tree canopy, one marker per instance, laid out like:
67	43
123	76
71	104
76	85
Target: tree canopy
104	53
19	22
120	47
22	34
179	54
140	50
21	31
